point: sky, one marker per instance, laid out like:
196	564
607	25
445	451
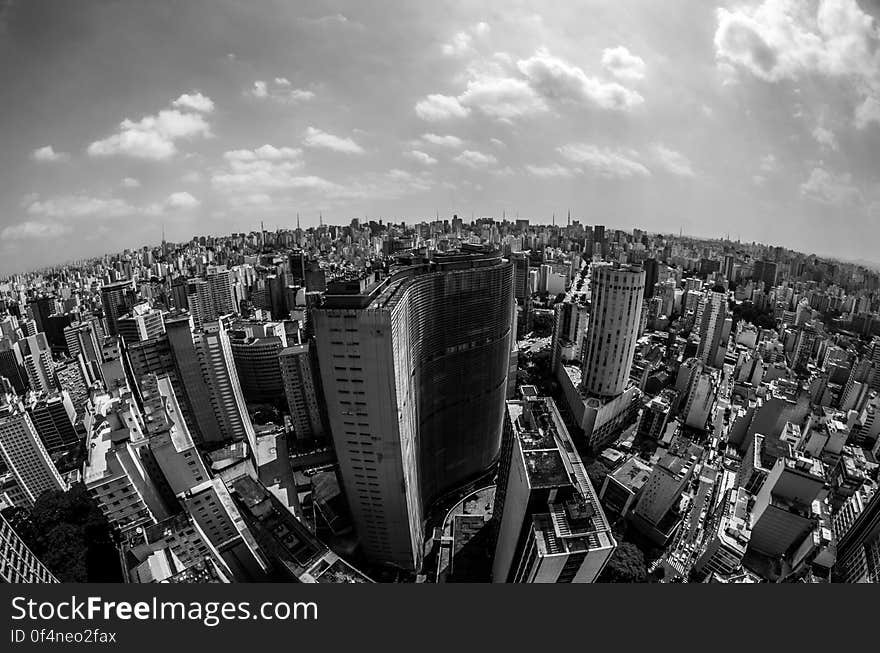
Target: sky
758	119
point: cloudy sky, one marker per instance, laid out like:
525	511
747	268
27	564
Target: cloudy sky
757	119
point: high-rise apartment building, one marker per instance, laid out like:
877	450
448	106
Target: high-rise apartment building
25	454
551	526
54	417
414	369
140	323
298	372
117	298
713	328
617	295
18	564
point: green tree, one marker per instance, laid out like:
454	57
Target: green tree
597	471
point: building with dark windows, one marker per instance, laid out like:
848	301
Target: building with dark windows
18	564
414	369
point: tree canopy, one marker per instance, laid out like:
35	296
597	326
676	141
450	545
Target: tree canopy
627	565
70	535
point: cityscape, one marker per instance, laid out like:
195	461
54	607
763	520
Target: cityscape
466	369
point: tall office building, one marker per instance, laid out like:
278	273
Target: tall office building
857	527
38	363
140	323
414	370
617	295
551	527
83	340
765	271
18	564
53	416
713	328
218	370
25	455
117	298
255	349
12	365
298	372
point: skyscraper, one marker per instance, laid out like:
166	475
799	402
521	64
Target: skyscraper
414	369
25	455
713	328
298	369
117	298
53	417
18	564
551	527
617	295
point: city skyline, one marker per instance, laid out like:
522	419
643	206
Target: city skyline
129	118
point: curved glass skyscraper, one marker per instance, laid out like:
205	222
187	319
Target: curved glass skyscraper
414	370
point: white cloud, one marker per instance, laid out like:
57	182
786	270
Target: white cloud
475	159
768	163
130	182
279	90
195	102
621	63
825	138
78	207
460	44
499	97
264	169
608	163
182	201
153	137
553	170
790	39
868	112
48	154
556	79
447	140
31	229
671	161
830	188
440	107
320	139
420	157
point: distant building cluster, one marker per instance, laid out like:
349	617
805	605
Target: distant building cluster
448	401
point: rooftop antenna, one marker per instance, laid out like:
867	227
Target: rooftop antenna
297	219
554	219
569	217
320	219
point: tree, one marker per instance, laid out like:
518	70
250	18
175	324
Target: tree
597	471
627	565
70	535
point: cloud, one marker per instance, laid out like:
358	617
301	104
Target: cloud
154	137
316	138
33	230
266	168
475	159
621	63
462	42
447	140
279	90
420	157
825	138
671	161
48	154
868	112
182	201
195	102
830	188
501	97
437	107
788	39
553	170
606	162
556	79
78	207
130	182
